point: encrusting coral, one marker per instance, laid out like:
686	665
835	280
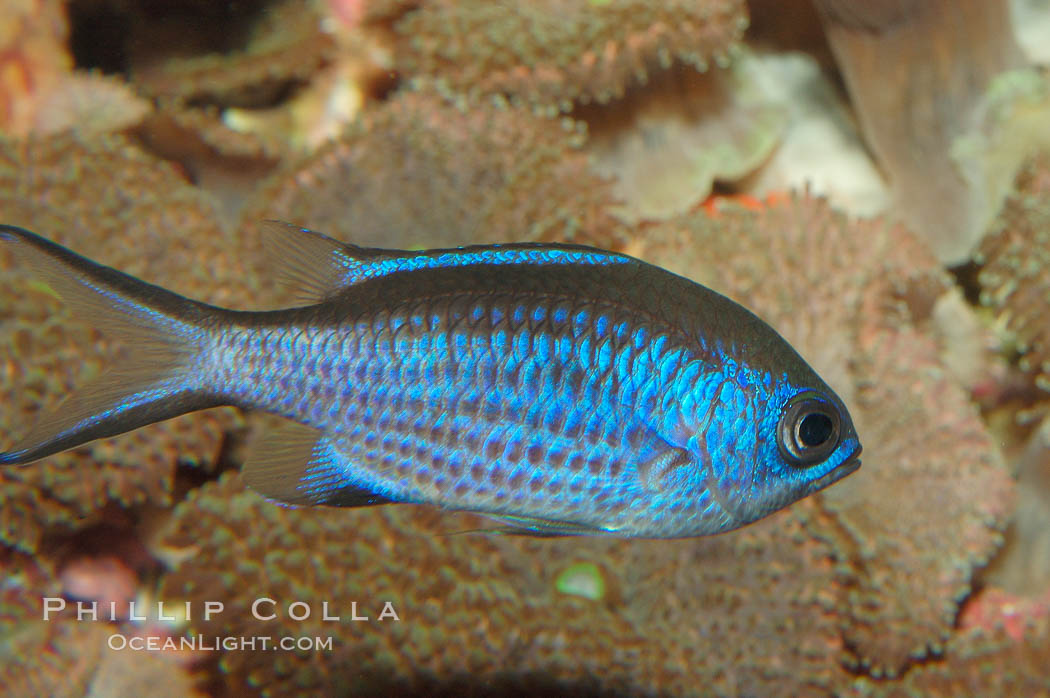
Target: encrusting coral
274	45
235	88
106	199
1022	568
553	53
665	145
306	109
982	662
89	103
719	614
461	599
199	135
853	562
65	656
873	587
424	170
1014	259
370	11
856	299
33	59
37	657
40	93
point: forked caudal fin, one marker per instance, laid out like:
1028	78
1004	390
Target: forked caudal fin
162	330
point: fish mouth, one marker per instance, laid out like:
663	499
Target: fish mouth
848	466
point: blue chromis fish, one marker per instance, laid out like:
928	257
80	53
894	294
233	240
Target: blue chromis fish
560	389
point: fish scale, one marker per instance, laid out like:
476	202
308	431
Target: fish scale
599	440
548	384
560	389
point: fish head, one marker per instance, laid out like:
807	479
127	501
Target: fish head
798	438
816	445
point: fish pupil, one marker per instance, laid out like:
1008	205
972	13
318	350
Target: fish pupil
815	429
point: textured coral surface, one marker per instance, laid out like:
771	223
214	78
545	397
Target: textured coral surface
429	171
109	200
33	58
863	329
260	47
484	610
153	137
553	52
1015	276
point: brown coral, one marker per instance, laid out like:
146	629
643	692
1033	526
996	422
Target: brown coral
107	200
266	48
26	580
457	596
665	145
1015	257
54	657
39	91
88	104
33	59
1023	565
426	171
370	10
984	662
196	135
64	656
745	614
555	52
855	299
278	115
718	615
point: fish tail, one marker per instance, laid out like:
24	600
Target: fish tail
161	329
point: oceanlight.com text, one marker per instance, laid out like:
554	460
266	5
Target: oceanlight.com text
215	643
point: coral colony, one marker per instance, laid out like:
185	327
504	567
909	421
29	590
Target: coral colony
158	142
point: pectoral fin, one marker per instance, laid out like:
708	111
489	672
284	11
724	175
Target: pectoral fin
655	472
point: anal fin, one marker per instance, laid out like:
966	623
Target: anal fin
296	464
542	528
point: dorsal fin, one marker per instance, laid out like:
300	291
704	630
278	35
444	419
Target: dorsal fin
313	265
295	464
318	267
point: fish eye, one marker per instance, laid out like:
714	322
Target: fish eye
809	429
